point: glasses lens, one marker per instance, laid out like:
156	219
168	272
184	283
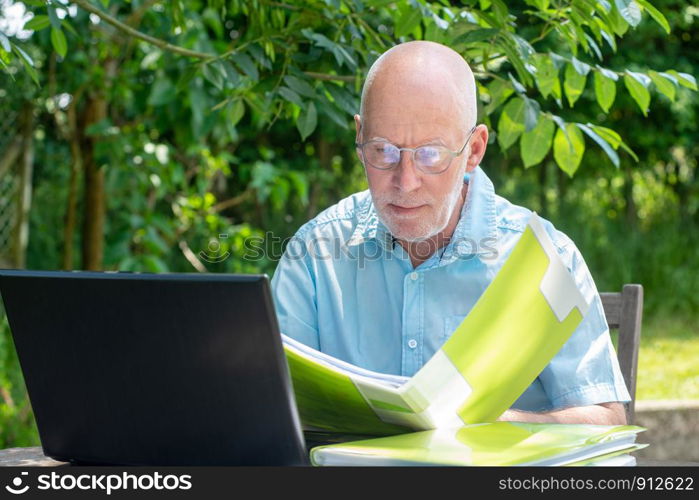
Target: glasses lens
431	158
381	154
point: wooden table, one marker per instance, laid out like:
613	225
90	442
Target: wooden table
34	457
28	457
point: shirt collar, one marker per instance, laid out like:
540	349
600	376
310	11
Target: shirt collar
476	222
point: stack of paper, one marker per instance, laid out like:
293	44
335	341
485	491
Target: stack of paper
491	444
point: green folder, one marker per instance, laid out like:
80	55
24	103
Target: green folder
519	323
489	444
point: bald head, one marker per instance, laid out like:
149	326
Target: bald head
426	71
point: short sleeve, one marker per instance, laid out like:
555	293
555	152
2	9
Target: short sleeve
586	370
294	293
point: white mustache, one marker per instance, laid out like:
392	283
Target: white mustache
384	200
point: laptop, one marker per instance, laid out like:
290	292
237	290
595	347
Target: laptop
154	369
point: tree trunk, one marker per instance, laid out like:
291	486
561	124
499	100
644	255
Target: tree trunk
24	198
563	181
72	201
93	219
94	193
631	213
543	202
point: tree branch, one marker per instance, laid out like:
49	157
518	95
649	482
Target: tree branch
325	76
86	5
231	202
191	257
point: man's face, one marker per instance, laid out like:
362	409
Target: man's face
412	204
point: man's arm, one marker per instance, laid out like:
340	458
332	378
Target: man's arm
600	414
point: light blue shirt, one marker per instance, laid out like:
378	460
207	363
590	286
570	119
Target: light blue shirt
345	288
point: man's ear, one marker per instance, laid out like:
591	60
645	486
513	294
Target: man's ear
479	143
358	125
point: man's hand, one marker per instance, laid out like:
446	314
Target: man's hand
600	414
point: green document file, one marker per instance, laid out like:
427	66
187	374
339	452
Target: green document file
490	444
519	323
613	459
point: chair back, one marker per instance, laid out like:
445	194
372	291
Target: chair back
624	312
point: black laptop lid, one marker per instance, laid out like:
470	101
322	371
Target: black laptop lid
154	369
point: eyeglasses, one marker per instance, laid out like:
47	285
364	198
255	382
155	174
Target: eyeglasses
430	159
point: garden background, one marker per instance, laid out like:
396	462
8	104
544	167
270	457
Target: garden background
187	135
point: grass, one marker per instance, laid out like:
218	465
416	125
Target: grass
668	361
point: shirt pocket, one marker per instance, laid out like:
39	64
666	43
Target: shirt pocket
451	323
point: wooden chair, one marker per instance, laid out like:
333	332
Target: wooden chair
624	312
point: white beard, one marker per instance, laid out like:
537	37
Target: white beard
408	229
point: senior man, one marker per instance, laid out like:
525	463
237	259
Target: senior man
382	278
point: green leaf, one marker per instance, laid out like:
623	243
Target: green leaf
580	67
630	11
535	144
638	90
307	120
341	53
177	13
613	138
58	40
213	21
561	124
5	43
609	135
99	128
38	23
154	264
573	85
617	23
300	86
27	62
666	84
473	36
608	73
655	14
407	22
531	113
511	124
639	77
231	75
499	92
546	75
291	96
162	92
53	17
568	152
605	91
343	99
685	79
236	111
246	64
214	73
608	37
23	55
519	88
331	112
514	57
601	142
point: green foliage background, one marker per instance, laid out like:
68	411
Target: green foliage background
254	136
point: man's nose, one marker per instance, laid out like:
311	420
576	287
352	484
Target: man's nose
406	176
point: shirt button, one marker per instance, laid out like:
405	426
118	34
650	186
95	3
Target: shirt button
413	276
412	343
